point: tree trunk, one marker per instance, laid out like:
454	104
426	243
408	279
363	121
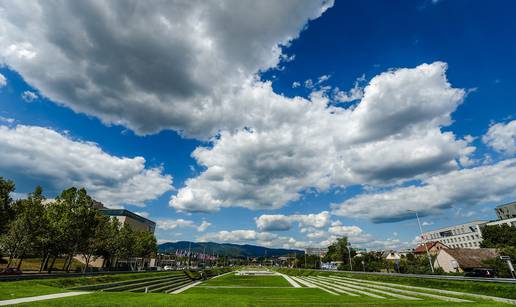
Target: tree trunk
44	261
20	261
69	262
52	265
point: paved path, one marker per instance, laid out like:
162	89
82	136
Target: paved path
186	287
40	298
290	280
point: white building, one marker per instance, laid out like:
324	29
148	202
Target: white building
506	211
316	251
466	235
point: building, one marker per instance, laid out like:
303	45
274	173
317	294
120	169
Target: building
466	235
392	255
433	248
135	221
506	211
316	251
463	259
510	222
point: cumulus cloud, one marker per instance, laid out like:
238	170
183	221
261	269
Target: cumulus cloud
356	93
296	84
3	81
29	96
7	120
502	137
178	65
252	237
481	184
392	135
57	161
284	222
145	214
172	224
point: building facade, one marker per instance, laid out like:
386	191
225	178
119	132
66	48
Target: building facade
135	221
506	211
316	251
466	235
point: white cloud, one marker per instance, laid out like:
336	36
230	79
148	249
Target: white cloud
427	223
392	135
7	119
29	96
57	161
502	137
203	226
253	237
284	222
465	187
171	224
356	93
341	230
296	84
179	65
3	81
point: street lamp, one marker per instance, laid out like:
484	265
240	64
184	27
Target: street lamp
349	254
424	243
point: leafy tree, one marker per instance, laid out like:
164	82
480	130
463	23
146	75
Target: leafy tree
338	251
498	236
26	228
126	243
6	213
146	244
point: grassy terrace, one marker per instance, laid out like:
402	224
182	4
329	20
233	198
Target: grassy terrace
227	290
486	288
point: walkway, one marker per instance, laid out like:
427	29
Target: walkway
40	298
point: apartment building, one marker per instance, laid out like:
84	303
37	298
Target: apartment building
466	235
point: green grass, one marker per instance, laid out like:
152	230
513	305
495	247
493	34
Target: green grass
485	288
248	281
236	297
26	288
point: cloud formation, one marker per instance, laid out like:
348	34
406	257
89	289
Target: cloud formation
3	81
502	137
180	65
393	134
279	222
58	161
481	184
172	224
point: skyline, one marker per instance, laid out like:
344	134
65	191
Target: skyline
265	123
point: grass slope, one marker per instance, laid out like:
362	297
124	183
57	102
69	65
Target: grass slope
486	288
247	281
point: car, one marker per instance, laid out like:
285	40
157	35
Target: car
481	272
10	271
168	268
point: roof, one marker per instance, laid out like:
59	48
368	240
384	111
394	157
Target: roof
421	248
469	258
124	212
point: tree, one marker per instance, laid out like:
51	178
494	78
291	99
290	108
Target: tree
26	228
338	251
126	243
498	236
6	213
145	246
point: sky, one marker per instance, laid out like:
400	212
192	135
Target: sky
276	123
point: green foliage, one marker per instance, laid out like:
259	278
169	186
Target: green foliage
6	214
498	236
338	251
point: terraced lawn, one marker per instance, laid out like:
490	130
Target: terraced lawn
247	281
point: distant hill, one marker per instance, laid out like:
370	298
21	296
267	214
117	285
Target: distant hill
226	249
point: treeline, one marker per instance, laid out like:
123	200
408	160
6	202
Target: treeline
68	226
374	261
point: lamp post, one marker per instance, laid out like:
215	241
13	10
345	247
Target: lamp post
424	243
349	254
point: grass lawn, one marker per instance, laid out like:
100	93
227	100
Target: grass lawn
486	288
247	281
25	288
235	297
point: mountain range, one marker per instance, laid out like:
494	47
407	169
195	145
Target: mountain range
226	249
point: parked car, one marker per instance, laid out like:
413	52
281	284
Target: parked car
481	272
10	271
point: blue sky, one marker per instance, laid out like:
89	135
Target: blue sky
219	95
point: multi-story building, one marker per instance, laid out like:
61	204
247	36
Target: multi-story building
466	235
506	211
316	251
135	221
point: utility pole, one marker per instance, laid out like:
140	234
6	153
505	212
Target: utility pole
349	254
423	240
